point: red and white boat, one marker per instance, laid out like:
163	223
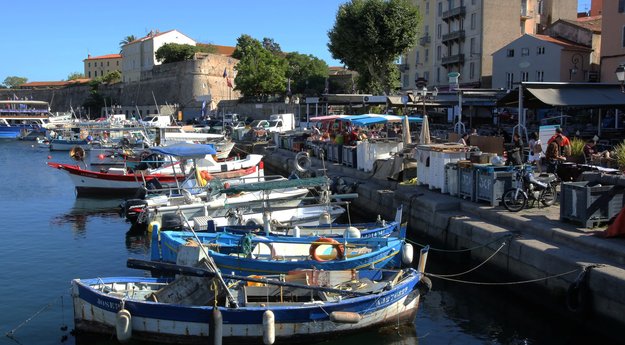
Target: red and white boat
127	182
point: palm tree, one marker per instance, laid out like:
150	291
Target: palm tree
127	40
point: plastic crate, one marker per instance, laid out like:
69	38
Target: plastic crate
466	182
590	204
491	184
335	153
451	179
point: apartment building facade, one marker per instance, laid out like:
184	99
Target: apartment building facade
613	39
99	66
461	36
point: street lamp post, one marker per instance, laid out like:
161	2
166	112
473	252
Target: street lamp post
620	75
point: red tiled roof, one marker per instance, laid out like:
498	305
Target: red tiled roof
566	44
221	50
55	83
590	23
108	56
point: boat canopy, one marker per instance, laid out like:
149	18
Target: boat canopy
326	117
186	150
370	119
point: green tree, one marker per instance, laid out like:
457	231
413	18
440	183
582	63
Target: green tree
307	73
14	82
126	40
271	45
174	52
243	42
112	77
75	75
369	35
259	72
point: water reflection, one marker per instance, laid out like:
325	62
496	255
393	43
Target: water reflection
85	208
138	240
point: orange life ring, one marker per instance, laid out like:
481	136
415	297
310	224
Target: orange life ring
340	249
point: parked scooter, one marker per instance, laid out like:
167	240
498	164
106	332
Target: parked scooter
530	188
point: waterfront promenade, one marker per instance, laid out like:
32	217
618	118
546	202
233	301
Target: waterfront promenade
532	252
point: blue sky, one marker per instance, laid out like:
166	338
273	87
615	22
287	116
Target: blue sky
47	40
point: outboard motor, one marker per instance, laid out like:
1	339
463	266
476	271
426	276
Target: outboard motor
172	221
132	208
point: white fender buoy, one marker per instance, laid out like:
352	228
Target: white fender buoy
217	327
351	232
407	254
302	162
345	317
269	328
324	218
123	325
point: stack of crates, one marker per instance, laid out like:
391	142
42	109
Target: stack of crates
590	204
466	180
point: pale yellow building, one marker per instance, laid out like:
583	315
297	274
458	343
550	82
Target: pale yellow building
461	36
613	39
99	66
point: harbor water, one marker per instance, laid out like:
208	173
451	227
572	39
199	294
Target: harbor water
51	237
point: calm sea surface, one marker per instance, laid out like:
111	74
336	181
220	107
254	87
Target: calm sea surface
51	237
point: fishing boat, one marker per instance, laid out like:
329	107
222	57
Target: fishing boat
222	199
128	182
200	307
67	139
250	254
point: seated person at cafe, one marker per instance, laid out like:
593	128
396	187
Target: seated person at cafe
591	154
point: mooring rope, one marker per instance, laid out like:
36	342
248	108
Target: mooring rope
461	250
472	269
11	333
504	283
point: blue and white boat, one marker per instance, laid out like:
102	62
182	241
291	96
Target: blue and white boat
269	255
304	306
27	118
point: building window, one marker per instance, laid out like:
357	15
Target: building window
88	64
540	50
416	75
427	52
472	46
541	7
509	80
473	20
438	74
427	7
525	76
439	31
510	53
472	2
117	63
623	36
89	74
440	8
472	70
438	52
450	4
540	76
108	63
101	64
621	6
525	51
417	57
426	75
427	30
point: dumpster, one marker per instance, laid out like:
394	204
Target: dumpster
350	156
589	203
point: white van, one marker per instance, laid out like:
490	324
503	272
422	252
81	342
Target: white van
156	121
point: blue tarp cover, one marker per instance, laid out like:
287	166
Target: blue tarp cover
186	150
373	119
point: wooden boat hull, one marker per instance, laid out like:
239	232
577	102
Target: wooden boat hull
67	145
95	183
166	246
95	311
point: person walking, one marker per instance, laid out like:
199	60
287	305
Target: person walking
515	154
536	152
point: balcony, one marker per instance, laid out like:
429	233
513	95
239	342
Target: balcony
453	36
526	14
459	11
453	60
425	40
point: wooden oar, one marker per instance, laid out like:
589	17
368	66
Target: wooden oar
202	272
